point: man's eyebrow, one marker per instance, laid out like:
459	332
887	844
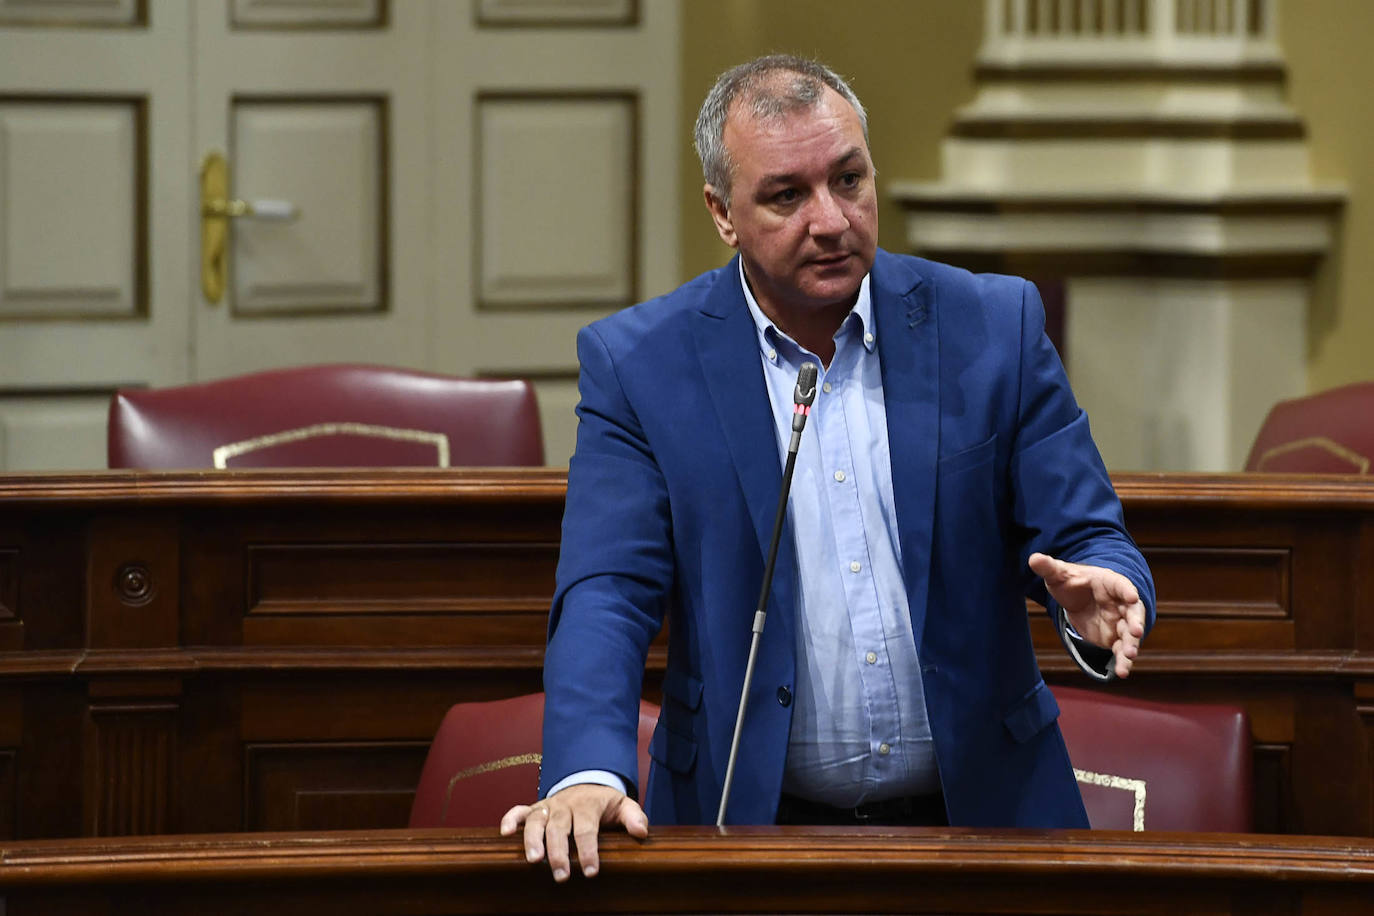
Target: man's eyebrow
856	151
786	178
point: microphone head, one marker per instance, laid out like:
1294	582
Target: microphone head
805	392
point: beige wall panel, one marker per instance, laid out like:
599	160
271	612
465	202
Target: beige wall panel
556	201
1219	354
53	433
557	12
1327	46
69	204
557	402
326	159
58	13
307	14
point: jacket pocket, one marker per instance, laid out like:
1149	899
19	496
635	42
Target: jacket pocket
683	688
1032	713
674	751
971	457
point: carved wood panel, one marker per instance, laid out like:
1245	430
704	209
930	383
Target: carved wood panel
331	785
451	571
130	767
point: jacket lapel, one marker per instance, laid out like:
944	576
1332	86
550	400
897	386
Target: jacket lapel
727	345
908	344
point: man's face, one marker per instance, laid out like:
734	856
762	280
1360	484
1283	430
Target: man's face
803	210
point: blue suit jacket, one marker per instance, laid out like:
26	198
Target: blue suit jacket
671	497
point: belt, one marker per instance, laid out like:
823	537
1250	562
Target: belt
909	811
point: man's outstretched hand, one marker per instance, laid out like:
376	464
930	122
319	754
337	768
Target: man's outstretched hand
581	811
1102	605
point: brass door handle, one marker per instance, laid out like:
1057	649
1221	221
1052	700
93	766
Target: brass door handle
216	209
256	209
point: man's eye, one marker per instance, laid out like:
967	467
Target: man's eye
850	179
786	196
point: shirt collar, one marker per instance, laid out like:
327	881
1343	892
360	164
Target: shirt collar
860	317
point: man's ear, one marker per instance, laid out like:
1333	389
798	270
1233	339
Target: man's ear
721	217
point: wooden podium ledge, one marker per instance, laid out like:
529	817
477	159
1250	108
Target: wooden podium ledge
696	869
1329	492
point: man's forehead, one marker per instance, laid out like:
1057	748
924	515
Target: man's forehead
744	124
850	157
787	137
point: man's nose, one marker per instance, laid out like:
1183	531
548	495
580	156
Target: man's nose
827	216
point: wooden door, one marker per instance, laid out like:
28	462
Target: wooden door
95	211
558	130
471	182
321	106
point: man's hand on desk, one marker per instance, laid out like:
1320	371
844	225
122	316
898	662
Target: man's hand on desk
580	810
1103	606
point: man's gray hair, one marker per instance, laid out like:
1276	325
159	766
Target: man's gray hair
762	84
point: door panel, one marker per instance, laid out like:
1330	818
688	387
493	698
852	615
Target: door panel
78	254
331	155
320	14
528	146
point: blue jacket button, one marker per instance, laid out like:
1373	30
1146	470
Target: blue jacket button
784	697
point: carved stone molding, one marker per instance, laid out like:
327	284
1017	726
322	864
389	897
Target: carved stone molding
1143	154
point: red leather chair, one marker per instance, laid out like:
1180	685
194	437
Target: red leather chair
327	416
485	758
1158	766
1331	432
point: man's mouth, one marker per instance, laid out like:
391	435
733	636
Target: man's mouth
831	260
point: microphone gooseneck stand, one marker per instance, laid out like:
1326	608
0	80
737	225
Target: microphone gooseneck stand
803	395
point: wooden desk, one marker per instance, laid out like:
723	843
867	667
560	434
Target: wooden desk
696	870
211	652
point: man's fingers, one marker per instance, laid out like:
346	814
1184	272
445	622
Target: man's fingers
1127	645
512	819
586	824
632	817
1124	654
556	842
1045	566
1135	617
536	818
1118	588
579	811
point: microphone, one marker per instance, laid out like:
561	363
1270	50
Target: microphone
803	396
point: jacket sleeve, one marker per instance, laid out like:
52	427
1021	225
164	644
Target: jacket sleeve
615	573
1063	500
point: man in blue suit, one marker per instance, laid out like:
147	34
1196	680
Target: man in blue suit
946	473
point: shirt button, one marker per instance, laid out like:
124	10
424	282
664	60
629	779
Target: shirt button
868	338
855	566
772	354
871	658
839	476
884	749
826	388
784	697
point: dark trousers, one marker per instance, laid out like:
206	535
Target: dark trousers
911	811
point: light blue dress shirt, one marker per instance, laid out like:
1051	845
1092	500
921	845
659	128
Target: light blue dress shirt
859	726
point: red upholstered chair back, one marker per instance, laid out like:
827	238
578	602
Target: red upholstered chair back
1331	432
1143	765
327	416
485	758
